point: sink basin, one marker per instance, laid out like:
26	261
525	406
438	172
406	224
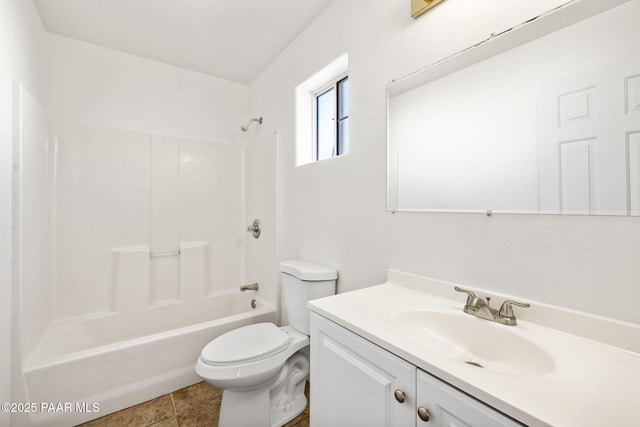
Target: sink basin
477	342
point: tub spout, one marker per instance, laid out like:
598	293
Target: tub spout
251	287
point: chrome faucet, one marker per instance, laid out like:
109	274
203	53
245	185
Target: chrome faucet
480	307
251	287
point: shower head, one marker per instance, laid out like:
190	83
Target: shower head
245	127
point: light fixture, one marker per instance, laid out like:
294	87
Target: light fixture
418	7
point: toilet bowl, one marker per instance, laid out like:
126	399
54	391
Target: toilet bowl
262	368
235	361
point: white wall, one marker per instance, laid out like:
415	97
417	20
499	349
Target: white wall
5	239
22	60
89	84
335	211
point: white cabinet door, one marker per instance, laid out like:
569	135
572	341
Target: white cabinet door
354	382
449	407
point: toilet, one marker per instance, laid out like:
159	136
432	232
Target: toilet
262	368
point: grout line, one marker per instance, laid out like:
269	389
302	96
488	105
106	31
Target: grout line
161	421
173	402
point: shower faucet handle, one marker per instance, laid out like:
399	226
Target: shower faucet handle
254	228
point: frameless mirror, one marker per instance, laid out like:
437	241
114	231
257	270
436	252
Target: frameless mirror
544	118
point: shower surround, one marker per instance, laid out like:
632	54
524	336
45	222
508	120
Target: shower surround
131	248
143	220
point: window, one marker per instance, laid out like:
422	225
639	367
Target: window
331	127
322	113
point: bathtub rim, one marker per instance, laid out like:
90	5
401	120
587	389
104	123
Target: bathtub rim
40	360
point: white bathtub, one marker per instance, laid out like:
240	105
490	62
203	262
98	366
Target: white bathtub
121	359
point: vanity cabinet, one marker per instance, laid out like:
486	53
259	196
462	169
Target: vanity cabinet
357	383
447	406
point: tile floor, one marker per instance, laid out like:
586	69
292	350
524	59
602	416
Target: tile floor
194	406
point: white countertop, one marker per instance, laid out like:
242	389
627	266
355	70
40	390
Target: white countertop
596	372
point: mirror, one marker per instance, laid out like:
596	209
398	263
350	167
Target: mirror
544	118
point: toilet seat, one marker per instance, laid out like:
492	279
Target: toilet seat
244	345
253	373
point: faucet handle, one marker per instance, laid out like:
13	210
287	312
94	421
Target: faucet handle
506	310
470	295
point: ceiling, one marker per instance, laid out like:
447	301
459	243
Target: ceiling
231	39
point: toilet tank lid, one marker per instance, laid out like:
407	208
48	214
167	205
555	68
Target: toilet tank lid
307	270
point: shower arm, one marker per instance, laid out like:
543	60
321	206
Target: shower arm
245	127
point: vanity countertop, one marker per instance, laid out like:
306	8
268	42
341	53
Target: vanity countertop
593	378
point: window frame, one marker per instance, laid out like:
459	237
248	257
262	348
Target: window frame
334	84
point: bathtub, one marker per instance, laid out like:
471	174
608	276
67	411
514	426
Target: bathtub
94	366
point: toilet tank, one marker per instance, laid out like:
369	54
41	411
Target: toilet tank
303	281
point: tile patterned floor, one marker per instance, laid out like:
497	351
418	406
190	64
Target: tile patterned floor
194	406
